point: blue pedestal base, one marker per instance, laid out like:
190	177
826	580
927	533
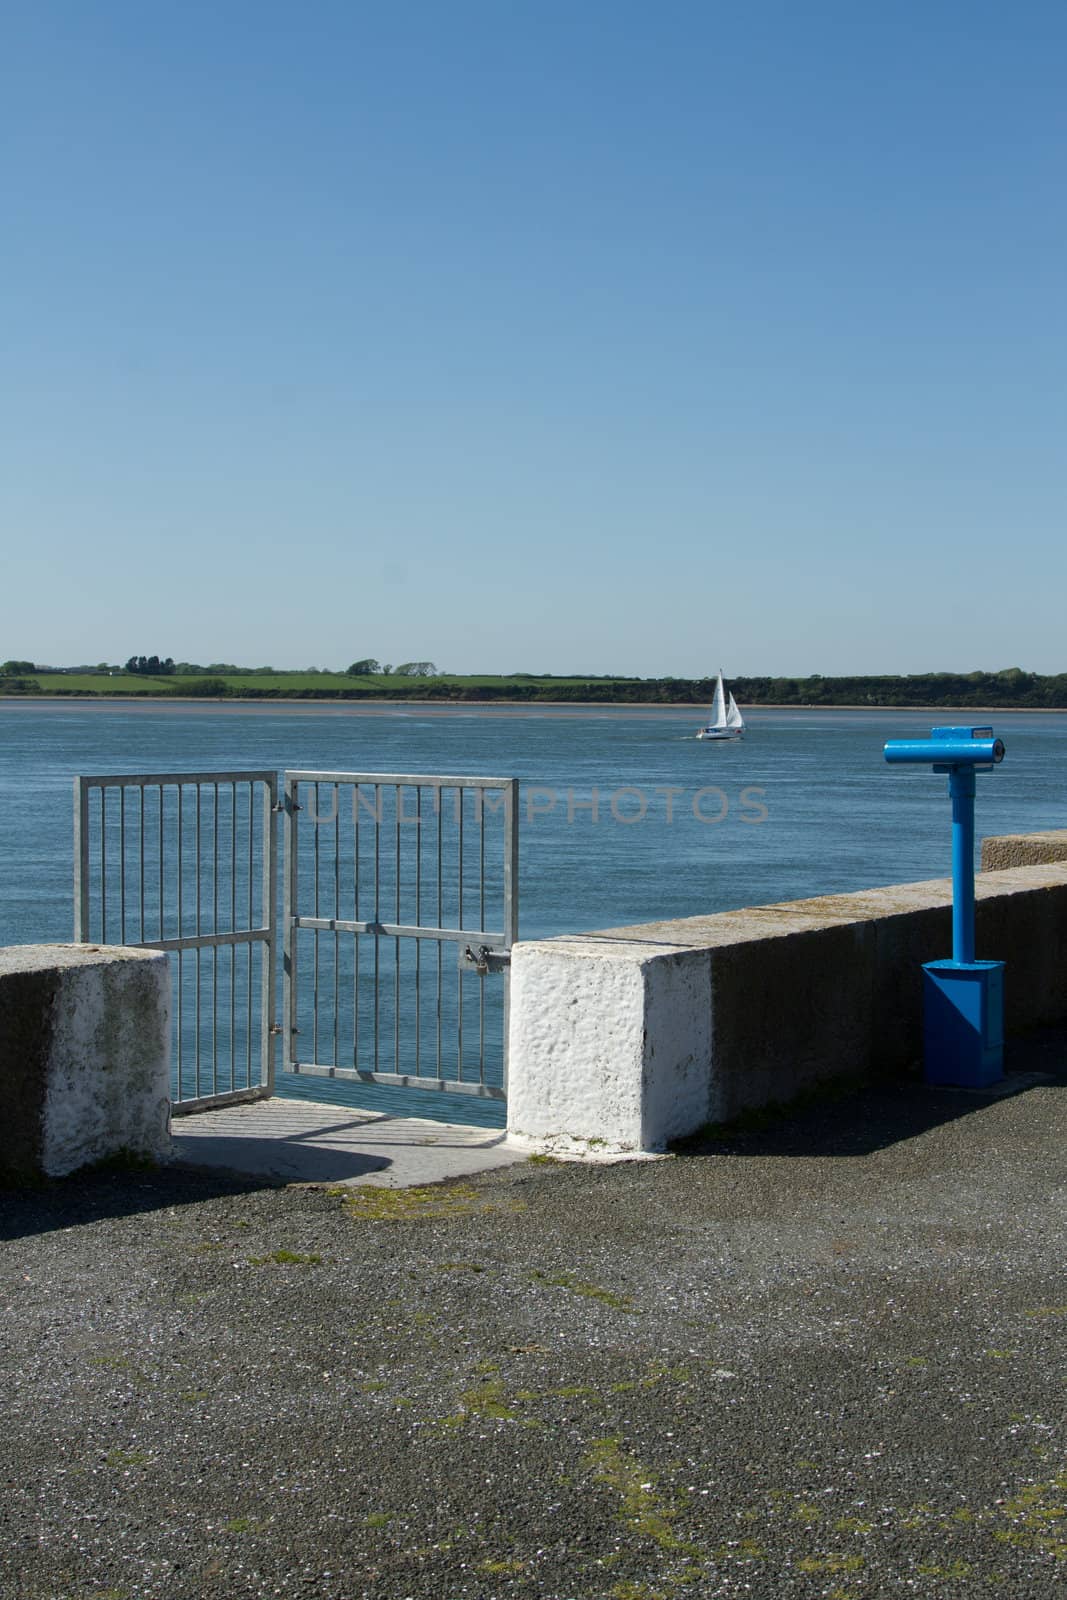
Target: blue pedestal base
963	1023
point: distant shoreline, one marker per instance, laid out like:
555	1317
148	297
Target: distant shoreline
369	707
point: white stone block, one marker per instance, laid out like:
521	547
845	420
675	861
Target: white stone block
84	1056
608	1044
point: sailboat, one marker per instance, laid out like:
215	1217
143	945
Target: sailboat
724	719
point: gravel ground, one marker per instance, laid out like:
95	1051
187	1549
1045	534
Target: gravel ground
821	1358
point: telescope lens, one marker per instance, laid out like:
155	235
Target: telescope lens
998	750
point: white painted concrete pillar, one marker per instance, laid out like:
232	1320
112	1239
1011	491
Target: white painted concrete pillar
84	1056
609	1043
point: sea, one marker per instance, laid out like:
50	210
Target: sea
625	817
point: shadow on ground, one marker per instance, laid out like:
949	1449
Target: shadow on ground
287	1159
855	1121
117	1192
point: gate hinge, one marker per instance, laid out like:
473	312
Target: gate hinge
484	960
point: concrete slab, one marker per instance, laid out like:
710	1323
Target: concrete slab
301	1141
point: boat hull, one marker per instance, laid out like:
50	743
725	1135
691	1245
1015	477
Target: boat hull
714	733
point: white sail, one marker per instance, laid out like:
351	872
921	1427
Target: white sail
734	718
717	719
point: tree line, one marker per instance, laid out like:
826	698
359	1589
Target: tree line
1011	687
154	666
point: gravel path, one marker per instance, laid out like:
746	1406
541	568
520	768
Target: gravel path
821	1359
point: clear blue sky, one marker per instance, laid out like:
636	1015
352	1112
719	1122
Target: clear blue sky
535	335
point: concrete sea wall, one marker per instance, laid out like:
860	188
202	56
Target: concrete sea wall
1024	849
630	1037
84	1057
622	1039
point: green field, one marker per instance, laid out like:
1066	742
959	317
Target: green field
329	685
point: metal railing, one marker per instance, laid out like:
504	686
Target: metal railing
400	910
186	862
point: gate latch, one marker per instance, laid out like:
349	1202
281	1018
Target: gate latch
483	959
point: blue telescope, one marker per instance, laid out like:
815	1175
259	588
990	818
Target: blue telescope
963	999
947	748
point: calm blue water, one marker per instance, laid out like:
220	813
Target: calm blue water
837	818
804	805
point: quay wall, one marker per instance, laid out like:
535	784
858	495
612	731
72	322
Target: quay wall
1024	849
630	1037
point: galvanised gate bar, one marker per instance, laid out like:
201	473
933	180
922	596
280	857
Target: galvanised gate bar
400	898
186	862
401	901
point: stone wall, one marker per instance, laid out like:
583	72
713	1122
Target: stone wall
1024	849
634	1036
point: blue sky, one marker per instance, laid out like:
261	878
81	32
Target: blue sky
535	335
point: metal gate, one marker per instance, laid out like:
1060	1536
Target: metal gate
400	910
186	862
401	907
